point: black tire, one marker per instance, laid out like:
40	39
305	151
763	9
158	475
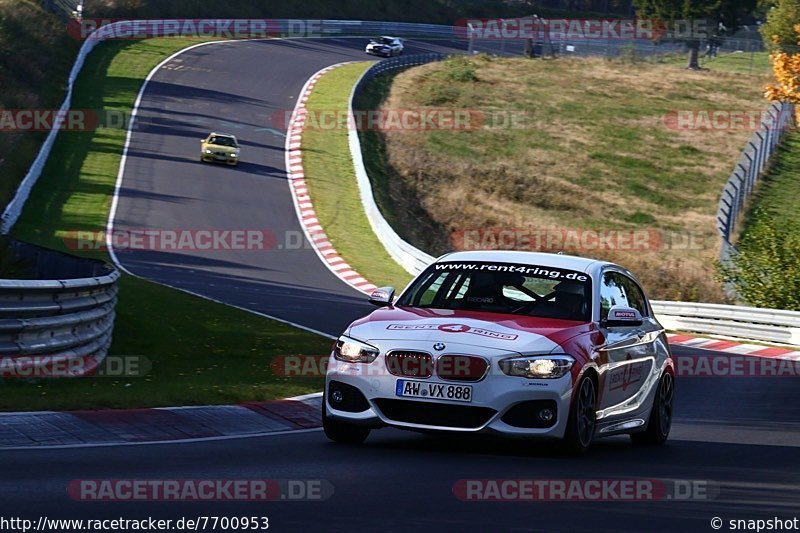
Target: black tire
342	432
660	421
582	417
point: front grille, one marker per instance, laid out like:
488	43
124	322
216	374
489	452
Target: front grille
352	400
461	367
409	364
434	414
526	414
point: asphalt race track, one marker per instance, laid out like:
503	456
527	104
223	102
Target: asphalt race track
739	436
238	88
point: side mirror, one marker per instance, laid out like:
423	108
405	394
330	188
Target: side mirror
382	297
623	316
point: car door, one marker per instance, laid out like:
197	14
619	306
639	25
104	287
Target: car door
629	351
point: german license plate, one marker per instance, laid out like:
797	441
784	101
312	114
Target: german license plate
433	391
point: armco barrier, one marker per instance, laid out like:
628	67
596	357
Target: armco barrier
67	313
753	162
771	325
409	257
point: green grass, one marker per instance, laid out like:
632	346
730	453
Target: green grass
201	352
332	185
751	63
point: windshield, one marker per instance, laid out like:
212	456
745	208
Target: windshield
387	40
223	141
528	290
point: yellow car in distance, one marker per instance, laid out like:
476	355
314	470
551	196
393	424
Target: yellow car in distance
220	148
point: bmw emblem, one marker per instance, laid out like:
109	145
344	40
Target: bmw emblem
439	346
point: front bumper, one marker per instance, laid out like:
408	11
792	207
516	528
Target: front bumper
500	404
219	158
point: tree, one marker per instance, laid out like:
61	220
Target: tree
778	31
713	17
786	67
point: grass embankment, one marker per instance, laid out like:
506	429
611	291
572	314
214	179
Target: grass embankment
201	352
765	271
598	150
777	198
35	57
328	167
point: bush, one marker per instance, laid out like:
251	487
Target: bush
459	68
765	271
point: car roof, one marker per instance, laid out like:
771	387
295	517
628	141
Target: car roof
387	37
214	133
569	262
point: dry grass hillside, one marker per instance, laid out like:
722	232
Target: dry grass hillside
595	148
35	57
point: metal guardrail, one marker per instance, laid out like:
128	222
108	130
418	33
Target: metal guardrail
771	325
412	259
68	318
754	159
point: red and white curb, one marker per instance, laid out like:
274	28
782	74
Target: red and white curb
302	201
729	346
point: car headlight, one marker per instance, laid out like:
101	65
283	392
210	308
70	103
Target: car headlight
209	151
537	366
353	351
234	154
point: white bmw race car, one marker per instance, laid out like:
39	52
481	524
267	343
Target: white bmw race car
513	343
385	46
